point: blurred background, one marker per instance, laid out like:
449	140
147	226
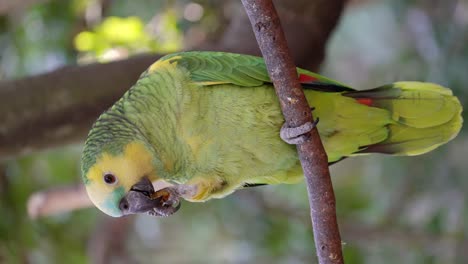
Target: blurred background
390	209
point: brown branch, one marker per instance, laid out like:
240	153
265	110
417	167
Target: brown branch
57	200
296	110
59	107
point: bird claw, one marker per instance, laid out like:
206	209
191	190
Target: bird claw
168	202
297	135
168	196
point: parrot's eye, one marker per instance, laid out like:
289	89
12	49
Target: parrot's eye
110	178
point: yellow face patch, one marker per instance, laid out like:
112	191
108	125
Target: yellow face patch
128	168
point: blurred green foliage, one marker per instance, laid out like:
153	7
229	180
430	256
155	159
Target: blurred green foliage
49	239
391	209
48	27
112	31
128	34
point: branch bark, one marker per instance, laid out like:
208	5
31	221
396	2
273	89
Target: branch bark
59	107
272	42
58	200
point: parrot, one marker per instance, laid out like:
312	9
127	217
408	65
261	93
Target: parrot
209	123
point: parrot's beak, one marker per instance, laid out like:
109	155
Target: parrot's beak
143	199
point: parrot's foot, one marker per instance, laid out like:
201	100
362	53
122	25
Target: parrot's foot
296	135
169	197
164	208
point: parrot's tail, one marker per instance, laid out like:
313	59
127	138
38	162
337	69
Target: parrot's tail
424	116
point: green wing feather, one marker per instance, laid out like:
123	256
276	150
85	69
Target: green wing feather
229	68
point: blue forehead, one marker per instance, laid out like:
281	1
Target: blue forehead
111	204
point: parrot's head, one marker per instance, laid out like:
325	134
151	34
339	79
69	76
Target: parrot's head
118	175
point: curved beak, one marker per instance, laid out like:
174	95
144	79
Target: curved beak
142	198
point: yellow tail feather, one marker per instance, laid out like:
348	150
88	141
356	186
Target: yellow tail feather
425	116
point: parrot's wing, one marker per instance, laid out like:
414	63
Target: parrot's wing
213	68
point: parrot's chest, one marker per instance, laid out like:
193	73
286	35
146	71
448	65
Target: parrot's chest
235	130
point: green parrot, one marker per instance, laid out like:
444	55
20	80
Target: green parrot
209	123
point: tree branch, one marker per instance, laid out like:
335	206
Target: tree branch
296	110
59	107
57	200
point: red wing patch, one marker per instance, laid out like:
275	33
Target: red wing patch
365	101
306	78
